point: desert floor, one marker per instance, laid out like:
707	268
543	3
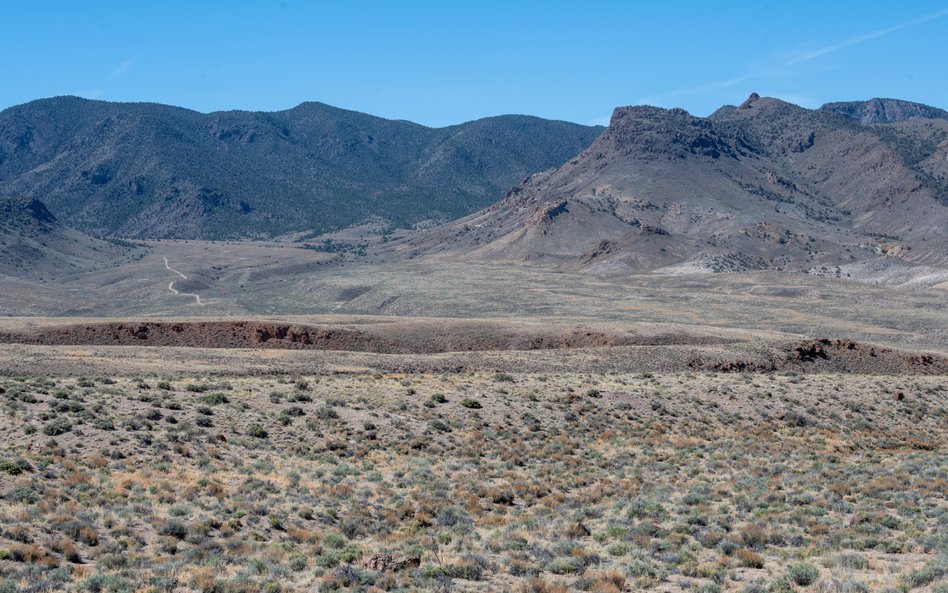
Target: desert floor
474	481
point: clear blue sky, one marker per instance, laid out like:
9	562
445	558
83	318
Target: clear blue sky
446	62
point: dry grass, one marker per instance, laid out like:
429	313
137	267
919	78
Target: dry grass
552	482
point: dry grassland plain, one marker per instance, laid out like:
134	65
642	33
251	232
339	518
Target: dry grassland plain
317	425
474	481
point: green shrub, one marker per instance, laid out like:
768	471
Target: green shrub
794	418
215	399
641	567
112	561
350	554
566	565
105	584
173	528
803	574
932	571
24	496
297	562
466	570
327	413
471	403
257	431
335	541
15	467
103	424
754	536
853	561
782	584
57	427
440	425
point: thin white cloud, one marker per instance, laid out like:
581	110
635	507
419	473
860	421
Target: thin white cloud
866	37
124	66
717	85
781	68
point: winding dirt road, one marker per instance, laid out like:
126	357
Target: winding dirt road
197	297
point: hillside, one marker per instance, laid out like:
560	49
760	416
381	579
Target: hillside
33	243
153	171
765	185
884	111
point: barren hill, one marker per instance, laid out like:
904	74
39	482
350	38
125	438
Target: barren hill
154	171
766	184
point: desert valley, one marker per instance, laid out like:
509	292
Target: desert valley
317	350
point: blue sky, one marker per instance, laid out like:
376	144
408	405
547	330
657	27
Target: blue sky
446	62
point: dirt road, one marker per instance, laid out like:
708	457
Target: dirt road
197	297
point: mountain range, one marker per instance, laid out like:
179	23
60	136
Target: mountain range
762	185
147	171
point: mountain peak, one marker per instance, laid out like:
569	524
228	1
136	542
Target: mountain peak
754	106
749	102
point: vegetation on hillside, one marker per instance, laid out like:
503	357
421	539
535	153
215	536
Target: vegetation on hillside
140	170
